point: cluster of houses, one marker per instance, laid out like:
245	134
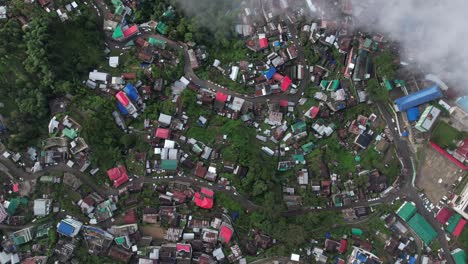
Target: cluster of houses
126	235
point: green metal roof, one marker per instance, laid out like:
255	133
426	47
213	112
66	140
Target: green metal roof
459	255
356	231
367	43
299	158
118	33
130	43
120	240
19	240
169	14
453	222
119	10
308	147
422	228
335	85
70	133
388	85
406	211
157	42
169	164
299	127
161	28
14	203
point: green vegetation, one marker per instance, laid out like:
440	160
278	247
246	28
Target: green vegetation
446	136
385	65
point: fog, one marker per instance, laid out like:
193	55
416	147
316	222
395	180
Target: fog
432	34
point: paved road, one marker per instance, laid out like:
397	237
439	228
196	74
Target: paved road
401	146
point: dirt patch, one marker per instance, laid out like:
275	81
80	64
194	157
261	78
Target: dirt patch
437	174
155	231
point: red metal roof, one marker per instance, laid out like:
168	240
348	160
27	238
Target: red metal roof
225	234
122	97
207	192
120	181
118	175
162	133
130	217
314	111
203	201
16	187
221	97
462	150
285	83
204	198
278	77
450	157
343	246
183	247
443	215
263	42
459	228
130	31
129	75
283	103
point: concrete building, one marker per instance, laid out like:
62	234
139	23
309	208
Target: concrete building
42	207
428	118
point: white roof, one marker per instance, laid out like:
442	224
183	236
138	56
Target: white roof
169	144
234	73
165	119
184	80
295	257
74	4
114	61
98	76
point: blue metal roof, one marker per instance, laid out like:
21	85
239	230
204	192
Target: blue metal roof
413	114
131	92
462	102
65	229
418	98
269	74
122	108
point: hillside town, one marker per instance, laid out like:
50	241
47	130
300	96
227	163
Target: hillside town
305	140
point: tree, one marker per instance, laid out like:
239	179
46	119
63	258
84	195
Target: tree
385	65
376	91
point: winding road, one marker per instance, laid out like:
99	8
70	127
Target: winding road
405	190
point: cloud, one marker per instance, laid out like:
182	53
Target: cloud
433	33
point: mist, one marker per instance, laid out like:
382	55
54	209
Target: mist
431	33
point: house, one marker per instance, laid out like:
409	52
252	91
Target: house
461	153
44	3
200	170
96	76
42	207
164	120
363	140
428	118
150	215
3	213
162	133
193	59
22	236
225	233
118	175
69	227
114	61
204	198
274	118
119	254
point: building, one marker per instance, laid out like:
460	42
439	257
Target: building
125	102
461	153
96	76
193	59
204	198
42	207
418	98
69	227
459	256
422	228
3	213
22	236
406	211
114	61
118	175
225	233
428	118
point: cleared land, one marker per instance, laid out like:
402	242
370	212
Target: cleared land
436	167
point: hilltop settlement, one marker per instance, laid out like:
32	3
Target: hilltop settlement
143	136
